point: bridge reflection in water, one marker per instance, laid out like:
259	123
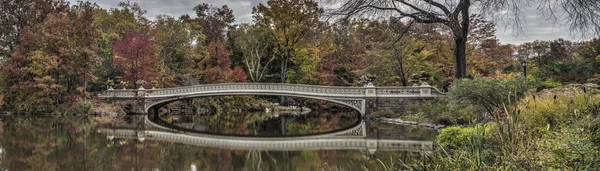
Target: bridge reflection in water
358	137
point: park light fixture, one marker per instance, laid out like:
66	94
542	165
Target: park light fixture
524	64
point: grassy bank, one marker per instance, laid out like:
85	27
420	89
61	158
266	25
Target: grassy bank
499	125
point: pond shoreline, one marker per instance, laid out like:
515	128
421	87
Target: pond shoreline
409	123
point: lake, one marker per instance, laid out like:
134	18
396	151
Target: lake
225	141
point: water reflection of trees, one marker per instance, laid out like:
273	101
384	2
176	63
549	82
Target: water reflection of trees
262	123
73	144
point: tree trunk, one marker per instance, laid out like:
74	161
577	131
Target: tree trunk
460	40
283	76
460	30
460	57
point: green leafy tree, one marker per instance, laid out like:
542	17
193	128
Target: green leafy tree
178	45
256	47
590	54
290	23
112	25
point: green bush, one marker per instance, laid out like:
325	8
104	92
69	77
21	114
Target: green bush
438	112
455	137
548	84
489	94
81	107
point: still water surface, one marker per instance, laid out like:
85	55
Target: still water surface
86	143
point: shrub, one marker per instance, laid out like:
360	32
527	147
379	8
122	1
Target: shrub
489	94
455	137
109	109
81	107
436	111
548	84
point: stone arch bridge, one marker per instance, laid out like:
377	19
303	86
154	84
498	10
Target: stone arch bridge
365	100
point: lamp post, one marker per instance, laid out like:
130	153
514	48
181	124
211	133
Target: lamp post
524	64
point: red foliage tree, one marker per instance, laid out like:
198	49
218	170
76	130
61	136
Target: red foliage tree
133	58
218	66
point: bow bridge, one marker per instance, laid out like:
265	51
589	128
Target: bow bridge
365	99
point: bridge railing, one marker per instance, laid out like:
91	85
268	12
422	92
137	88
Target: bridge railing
262	86
416	91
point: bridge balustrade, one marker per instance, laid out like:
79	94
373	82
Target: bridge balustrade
275	87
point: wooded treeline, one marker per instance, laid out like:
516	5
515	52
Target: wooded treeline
54	54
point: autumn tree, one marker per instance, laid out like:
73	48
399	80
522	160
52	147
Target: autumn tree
255	45
217	66
339	67
214	21
133	58
485	54
289	22
454	15
179	46
112	25
53	61
20	15
392	55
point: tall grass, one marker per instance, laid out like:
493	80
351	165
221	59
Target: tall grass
549	130
555	129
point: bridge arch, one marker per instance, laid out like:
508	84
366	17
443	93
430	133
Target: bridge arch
356	104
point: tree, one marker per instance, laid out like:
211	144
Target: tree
113	25
590	52
53	60
133	58
214	21
289	22
390	48
178	45
453	15
217	66
255	44
485	54
581	16
31	89
20	15
339	67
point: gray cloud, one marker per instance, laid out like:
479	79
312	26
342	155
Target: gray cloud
535	26
242	9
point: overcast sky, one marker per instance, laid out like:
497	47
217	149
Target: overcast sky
535	27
